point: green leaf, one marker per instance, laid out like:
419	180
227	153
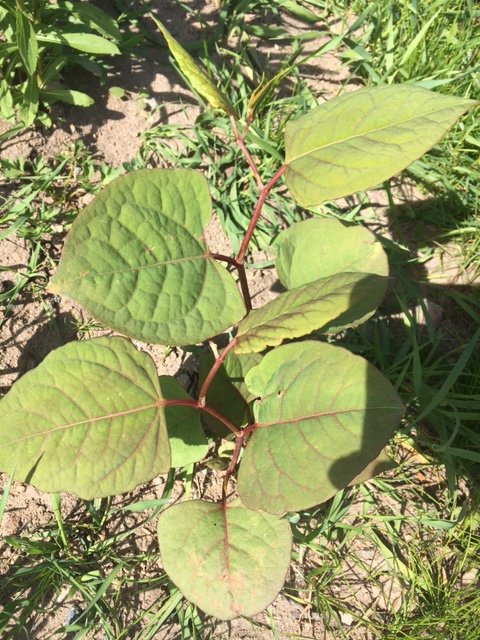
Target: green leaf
52	71
29	107
300	11
7	109
116	92
6	48
195	75
87	42
27	43
229	561
93	18
322	416
236	367
136	259
69	96
362	138
264	90
188	443
327	305
319	248
89	419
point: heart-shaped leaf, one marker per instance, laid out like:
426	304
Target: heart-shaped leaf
322	416
360	139
195	75
135	258
327	305
226	559
89	419
188	443
318	248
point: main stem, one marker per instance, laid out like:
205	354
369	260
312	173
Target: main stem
231	466
211	374
256	214
240	140
238	263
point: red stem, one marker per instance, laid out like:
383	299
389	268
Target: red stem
256	213
239	139
242	278
228	259
211	374
231	464
194	404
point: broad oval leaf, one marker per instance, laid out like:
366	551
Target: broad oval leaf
327	305
135	258
322	416
89	419
188	443
355	141
195	75
227	560
318	248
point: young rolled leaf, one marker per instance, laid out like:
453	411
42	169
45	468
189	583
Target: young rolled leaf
327	305
188	443
359	139
195	75
322	416
319	248
227	560
136	259
89	419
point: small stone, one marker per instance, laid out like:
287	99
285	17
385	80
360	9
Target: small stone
346	618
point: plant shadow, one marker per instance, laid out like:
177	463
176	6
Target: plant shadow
423	336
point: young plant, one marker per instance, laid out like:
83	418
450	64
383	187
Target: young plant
39	40
308	418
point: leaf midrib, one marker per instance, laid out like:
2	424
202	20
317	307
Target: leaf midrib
314	416
158	404
365	134
103	274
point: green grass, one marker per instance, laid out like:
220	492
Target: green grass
435	44
420	522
